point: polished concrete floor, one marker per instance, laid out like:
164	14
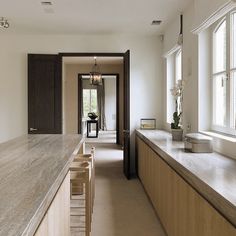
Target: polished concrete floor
121	206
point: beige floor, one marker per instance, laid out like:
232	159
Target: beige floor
103	137
121	206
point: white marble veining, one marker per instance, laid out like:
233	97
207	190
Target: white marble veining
211	174
32	167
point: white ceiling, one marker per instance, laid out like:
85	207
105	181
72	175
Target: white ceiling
90	60
90	16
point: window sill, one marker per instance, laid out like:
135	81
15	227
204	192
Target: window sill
225	137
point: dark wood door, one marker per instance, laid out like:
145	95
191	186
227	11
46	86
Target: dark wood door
44	94
80	103
126	131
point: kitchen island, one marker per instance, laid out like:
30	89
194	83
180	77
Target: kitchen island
32	169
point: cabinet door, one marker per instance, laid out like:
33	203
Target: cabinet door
57	219
140	159
181	209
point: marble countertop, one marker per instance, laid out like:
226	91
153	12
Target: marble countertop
211	174
32	168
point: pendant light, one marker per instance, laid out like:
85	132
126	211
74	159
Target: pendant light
95	74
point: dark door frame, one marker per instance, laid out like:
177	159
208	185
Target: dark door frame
126	60
126	124
117	103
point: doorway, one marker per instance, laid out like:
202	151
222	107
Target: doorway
49	118
125	128
103	100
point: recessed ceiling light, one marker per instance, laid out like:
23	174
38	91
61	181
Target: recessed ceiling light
156	22
46	3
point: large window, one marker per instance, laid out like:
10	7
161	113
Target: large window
224	75
173	73
89	101
178	65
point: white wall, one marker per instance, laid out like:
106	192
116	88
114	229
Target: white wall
190	72
204	81
146	73
13	91
110	103
171	34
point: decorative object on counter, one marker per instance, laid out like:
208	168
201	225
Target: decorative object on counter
4	23
148	123
92	115
177	93
199	143
176	128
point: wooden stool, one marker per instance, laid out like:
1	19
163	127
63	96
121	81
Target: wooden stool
93	155
89	158
80	172
93	151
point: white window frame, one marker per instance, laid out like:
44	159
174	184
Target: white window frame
229	127
172	79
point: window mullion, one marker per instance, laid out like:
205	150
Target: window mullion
219	73
228	81
232	72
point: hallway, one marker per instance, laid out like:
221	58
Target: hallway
121	207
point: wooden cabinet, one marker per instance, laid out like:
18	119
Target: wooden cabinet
57	219
181	209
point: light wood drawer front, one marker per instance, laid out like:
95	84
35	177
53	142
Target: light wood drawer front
57	219
182	210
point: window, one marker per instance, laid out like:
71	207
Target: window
174	73
89	101
224	75
178	65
